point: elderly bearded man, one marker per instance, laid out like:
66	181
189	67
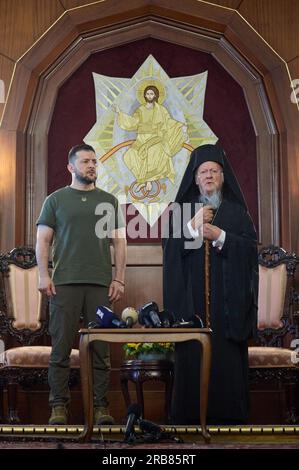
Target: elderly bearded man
223	221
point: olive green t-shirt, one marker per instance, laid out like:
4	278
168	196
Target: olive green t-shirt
82	221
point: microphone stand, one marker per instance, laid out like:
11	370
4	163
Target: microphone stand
131	439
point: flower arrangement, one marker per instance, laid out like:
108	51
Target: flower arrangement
134	349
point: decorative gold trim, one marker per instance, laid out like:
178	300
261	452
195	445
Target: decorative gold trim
254	430
33	45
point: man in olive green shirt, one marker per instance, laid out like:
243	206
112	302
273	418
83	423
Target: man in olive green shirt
79	221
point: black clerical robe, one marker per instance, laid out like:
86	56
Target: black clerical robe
233	308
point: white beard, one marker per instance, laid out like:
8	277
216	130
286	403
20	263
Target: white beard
213	200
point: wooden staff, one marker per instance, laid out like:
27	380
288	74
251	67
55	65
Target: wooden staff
207	282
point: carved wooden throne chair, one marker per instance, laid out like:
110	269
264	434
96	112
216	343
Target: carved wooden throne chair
23	322
273	361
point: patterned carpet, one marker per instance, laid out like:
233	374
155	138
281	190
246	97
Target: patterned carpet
61	444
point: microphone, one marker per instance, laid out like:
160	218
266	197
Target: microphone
196	323
107	319
129	316
183	324
150	427
144	320
167	318
149	315
153	432
134	413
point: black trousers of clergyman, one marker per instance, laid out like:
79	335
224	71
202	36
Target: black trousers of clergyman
70	302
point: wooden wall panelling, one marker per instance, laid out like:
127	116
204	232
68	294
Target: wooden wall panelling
143	277
7	185
227	3
243	48
35	61
267	138
289	160
251	40
30	413
99	14
277	86
144	255
200	10
12	190
282	184
20	199
15	99
169	32
144	283
22	23
74	3
12	156
192	12
294	70
52	45
6	71
137	17
268	154
276	21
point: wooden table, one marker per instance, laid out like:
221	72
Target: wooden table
142	335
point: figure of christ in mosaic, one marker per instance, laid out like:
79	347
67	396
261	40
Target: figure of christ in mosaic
159	139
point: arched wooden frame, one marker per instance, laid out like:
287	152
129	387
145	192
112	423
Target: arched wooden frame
41	72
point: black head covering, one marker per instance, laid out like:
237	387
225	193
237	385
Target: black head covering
188	190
